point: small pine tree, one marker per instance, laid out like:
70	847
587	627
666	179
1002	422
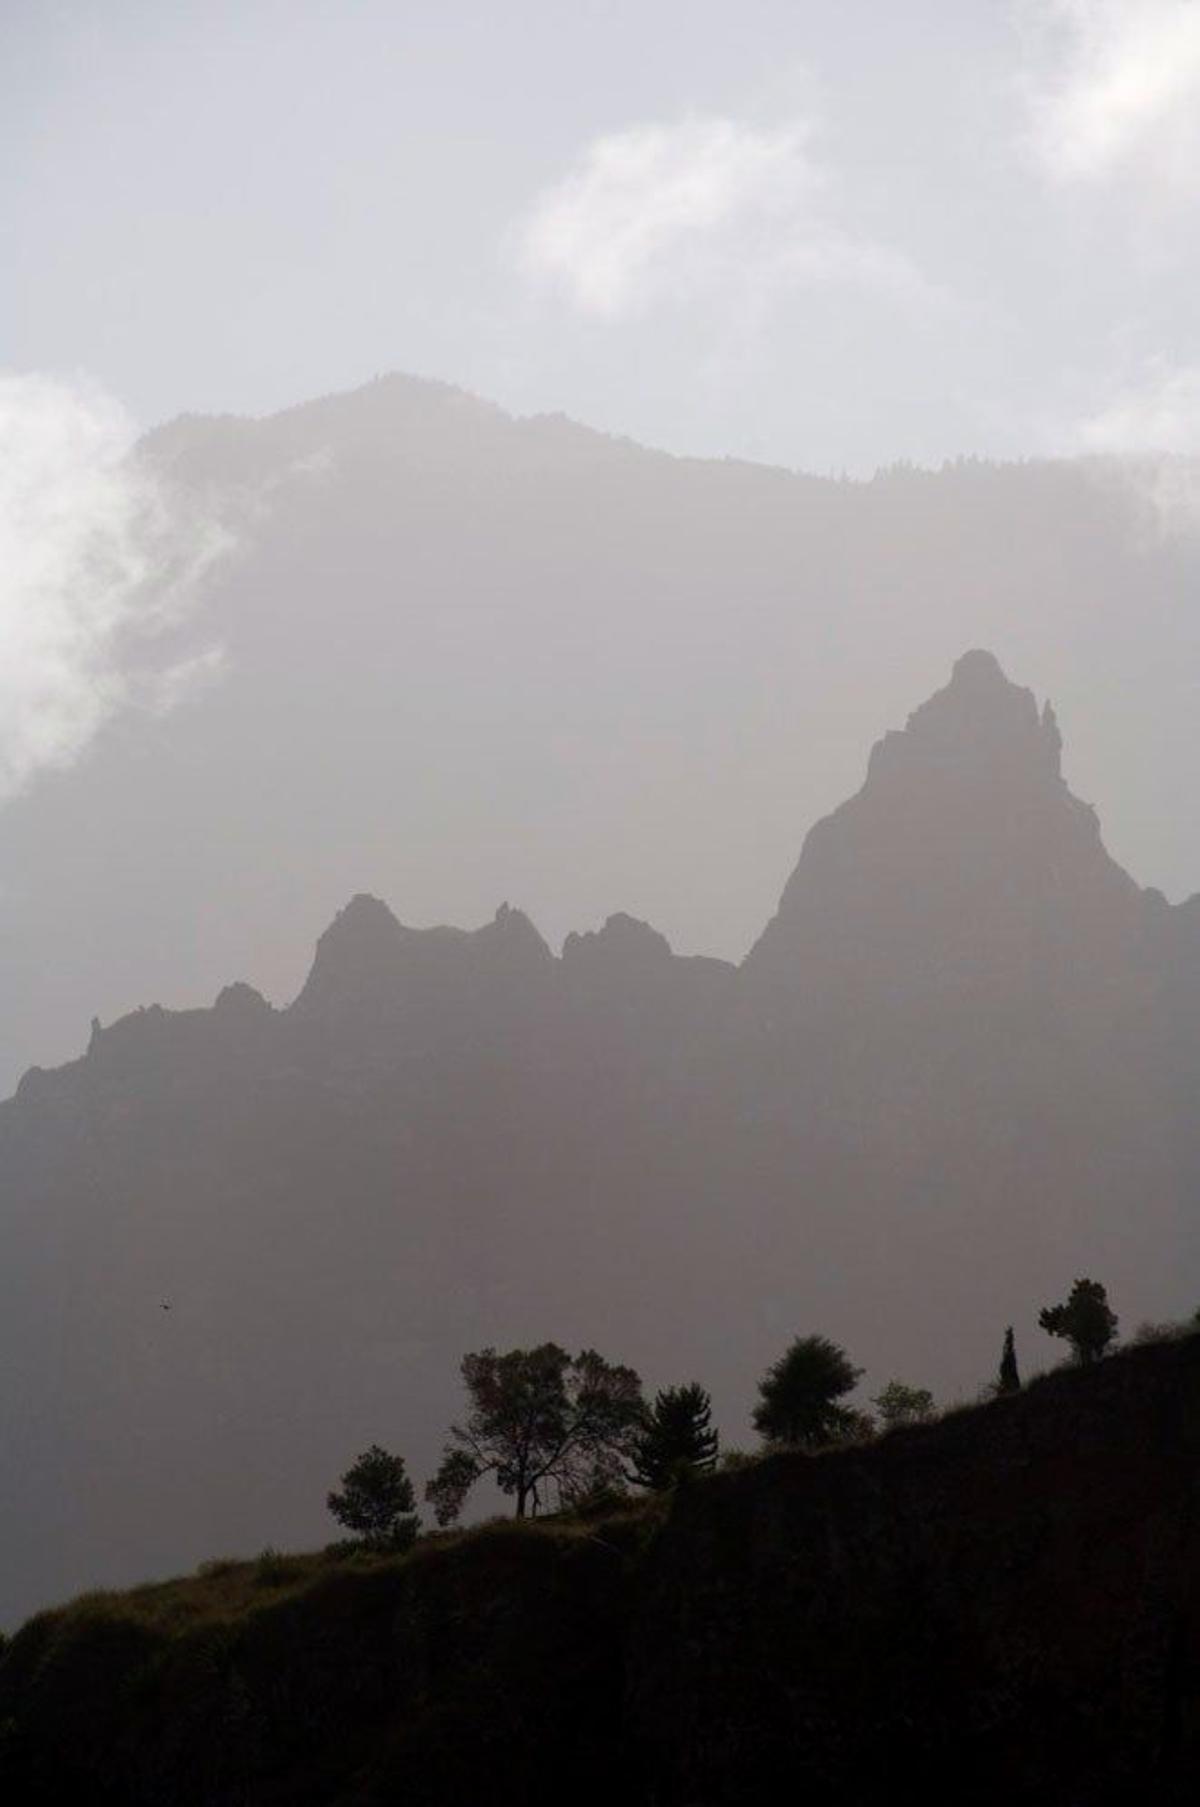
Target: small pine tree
1085	1319
1009	1380
377	1501
677	1438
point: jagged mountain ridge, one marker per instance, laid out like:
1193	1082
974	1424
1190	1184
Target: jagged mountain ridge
464	656
241	1243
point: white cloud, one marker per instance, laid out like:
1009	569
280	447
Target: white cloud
666	211
1144	444
98	557
1160	414
1114	86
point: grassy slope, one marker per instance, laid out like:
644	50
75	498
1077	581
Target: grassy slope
309	1679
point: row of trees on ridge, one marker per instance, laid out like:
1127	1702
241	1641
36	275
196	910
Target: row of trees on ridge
550	1427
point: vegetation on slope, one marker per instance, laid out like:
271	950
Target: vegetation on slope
1002	1605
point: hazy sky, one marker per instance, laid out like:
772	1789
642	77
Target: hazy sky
829	233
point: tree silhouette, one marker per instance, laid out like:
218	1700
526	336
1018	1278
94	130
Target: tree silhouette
799	1394
1009	1379
377	1501
676	1438
539	1419
898	1405
1085	1319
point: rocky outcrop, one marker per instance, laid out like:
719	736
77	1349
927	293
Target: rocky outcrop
963	865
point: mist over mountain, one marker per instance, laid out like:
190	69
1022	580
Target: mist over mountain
454	656
956	1069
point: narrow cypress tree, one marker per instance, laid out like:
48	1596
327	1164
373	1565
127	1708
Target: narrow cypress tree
1010	1378
677	1437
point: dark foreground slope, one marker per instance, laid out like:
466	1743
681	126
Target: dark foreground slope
1000	1608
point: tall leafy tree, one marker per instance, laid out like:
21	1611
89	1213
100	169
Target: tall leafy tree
376	1501
544	1424
799	1395
1009	1378
676	1438
1085	1319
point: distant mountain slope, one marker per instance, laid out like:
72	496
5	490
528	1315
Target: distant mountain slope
957	1069
467	656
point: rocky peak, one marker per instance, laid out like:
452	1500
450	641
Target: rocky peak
624	944
241	1002
359	950
512	936
369	962
964	848
980	723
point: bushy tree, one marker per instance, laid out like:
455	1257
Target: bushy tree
1009	1378
799	1395
376	1501
898	1405
676	1438
544	1424
1085	1319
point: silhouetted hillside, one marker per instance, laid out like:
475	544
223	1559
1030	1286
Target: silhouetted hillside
957	1069
1000	1608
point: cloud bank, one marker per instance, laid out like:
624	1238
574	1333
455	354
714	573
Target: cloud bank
98	559
1159	414
1114	88
661	212
1145	441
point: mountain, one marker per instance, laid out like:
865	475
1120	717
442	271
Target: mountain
464	656
956	1070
